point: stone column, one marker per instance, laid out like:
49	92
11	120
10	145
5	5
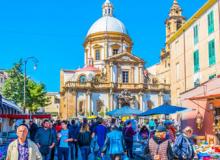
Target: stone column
132	74
74	94
111	72
66	105
140	74
140	99
88	100
70	103
119	76
111	98
62	104
160	98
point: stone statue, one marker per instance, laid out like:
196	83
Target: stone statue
126	99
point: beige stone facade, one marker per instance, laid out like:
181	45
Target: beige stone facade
195	51
54	106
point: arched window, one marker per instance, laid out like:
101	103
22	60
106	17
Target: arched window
82	79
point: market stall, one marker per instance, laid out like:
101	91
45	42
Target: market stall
9	108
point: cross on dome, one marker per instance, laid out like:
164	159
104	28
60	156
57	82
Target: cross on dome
107	8
107	1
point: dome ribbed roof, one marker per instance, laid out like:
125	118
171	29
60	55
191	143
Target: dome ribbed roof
107	24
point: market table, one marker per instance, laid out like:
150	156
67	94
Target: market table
207	151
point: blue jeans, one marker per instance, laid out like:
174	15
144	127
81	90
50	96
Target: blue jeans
47	157
85	150
63	153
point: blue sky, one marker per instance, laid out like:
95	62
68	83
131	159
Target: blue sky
53	31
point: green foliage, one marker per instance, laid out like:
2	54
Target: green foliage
36	96
13	89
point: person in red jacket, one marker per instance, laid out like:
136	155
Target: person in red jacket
58	126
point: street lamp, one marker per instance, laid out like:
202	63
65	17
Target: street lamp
35	61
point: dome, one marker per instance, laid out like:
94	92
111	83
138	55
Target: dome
107	24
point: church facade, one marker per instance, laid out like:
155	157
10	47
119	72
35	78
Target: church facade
112	75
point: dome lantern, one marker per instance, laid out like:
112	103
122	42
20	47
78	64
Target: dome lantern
107	8
107	23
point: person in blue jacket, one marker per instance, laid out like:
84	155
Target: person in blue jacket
114	144
183	146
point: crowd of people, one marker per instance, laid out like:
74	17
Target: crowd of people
100	139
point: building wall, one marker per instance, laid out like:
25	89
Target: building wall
54	106
182	50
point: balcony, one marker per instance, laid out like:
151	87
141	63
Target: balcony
118	86
157	87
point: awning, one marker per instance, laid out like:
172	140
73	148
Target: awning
213	99
25	116
165	109
124	111
207	97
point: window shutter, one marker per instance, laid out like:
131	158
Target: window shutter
210	22
196	38
213	51
212	59
210	54
196	61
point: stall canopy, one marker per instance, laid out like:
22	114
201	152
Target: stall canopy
124	111
164	109
25	116
11	104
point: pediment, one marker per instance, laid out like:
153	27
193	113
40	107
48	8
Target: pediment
97	46
125	57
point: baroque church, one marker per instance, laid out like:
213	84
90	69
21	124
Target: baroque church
112	76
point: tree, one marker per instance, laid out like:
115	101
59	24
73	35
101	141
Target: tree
35	92
13	87
36	96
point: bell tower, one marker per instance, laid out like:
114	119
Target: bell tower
175	20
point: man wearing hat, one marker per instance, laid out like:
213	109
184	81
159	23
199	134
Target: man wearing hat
23	148
159	147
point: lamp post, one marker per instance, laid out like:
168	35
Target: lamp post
35	61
